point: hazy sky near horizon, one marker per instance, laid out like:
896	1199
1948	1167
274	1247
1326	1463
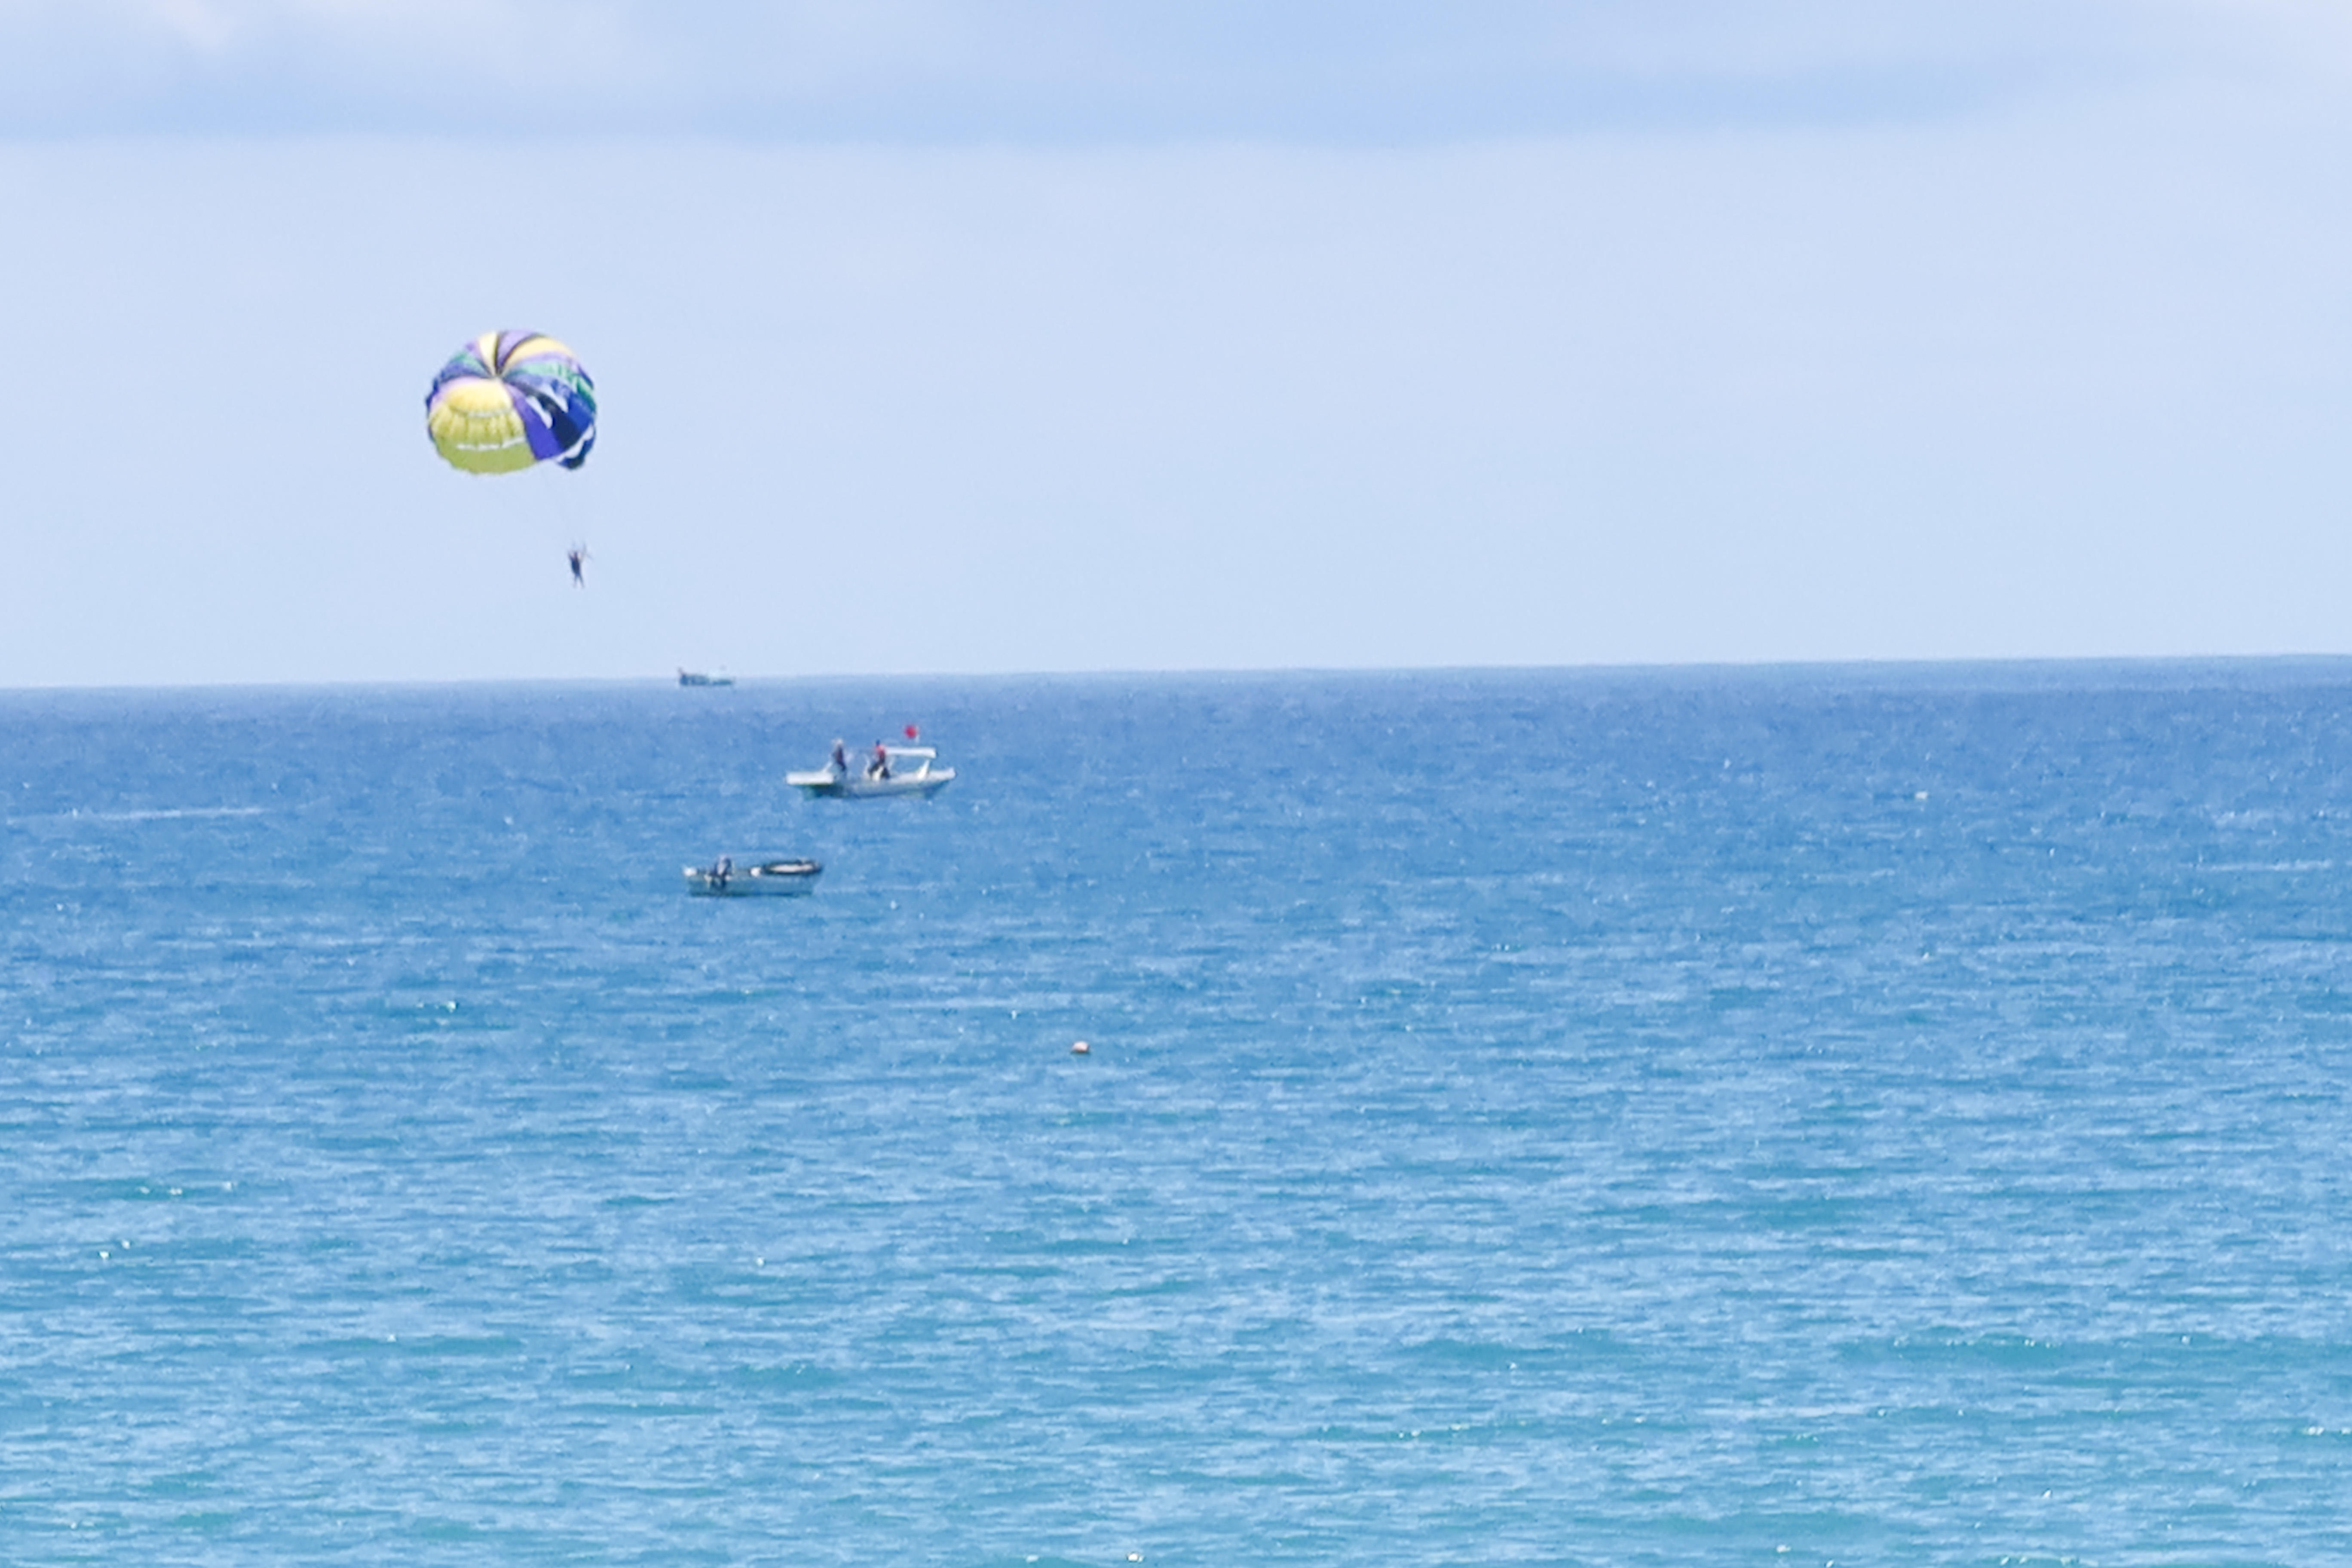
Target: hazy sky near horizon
1041	335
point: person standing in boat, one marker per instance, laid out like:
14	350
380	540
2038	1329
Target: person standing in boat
879	768
840	759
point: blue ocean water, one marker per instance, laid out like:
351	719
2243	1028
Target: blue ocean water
1778	1116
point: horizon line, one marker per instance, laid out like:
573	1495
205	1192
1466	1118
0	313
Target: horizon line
1600	667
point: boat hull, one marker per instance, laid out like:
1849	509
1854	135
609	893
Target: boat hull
769	879
837	786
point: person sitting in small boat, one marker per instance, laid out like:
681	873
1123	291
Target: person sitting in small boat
879	768
840	759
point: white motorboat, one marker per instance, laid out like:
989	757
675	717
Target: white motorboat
901	770
724	879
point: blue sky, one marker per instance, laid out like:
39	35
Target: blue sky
1382	72
940	337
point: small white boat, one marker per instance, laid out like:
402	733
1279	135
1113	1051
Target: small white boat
725	879
905	770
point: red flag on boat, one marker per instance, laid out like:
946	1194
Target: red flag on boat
911	731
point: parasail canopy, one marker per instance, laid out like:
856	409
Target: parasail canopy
510	399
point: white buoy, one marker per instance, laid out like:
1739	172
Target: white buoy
1080	1048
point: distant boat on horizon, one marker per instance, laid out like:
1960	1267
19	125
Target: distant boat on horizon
698	677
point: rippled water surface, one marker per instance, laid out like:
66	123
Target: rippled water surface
1639	1118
